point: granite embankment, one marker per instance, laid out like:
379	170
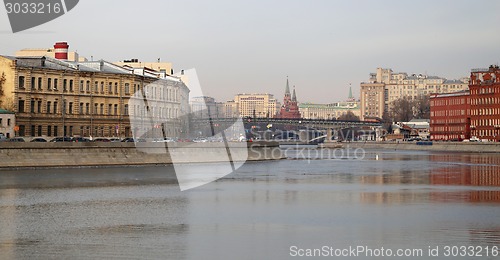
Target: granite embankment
436	146
20	155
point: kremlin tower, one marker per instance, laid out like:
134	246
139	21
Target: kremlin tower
290	108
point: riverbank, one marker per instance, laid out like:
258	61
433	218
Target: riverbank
436	146
28	155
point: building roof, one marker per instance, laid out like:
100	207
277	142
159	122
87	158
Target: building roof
3	111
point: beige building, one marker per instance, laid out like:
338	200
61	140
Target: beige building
386	86
52	97
253	105
7	124
203	105
50	52
329	111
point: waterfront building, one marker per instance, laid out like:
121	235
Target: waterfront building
450	116
332	110
386	86
252	105
289	108
61	49
55	97
7	123
201	106
485	103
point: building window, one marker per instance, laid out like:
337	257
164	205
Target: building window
39	130
87	108
8	121
95	109
21	82
70	108
81	109
110	108
65	85
101	110
102	87
55	131
55	84
49	84
33	81
81	85
71	85
116	88
40	83
96	87
49	130
87	87
125	110
127	88
116	110
20	106
48	107
55	107
32	106
110	87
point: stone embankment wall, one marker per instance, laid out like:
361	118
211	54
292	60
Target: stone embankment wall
19	155
436	146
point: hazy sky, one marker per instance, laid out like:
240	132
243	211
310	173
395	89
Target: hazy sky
252	46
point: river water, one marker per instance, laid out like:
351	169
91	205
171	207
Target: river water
382	200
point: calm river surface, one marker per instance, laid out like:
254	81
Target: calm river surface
266	210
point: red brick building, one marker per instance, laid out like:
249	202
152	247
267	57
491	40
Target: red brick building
450	116
485	103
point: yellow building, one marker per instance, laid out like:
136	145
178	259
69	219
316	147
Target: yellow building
55	97
386	86
255	105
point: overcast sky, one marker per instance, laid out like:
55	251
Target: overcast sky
252	46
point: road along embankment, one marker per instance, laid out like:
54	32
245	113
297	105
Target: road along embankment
436	146
22	155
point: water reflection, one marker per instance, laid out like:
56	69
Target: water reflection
402	200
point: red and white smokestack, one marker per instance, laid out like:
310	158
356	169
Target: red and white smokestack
61	49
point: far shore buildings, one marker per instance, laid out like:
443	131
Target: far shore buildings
332	110
253	105
386	86
469	114
57	96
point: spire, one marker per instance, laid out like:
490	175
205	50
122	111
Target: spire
294	96
350	92
287	90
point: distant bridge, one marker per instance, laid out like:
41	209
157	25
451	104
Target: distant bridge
306	123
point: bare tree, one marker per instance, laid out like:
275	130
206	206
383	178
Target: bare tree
422	107
402	109
349	116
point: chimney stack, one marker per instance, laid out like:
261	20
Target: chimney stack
61	49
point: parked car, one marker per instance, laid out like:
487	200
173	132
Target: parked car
133	140
61	139
17	140
104	140
38	140
114	140
200	140
80	140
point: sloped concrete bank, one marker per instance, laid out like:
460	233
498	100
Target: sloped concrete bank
22	155
436	146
